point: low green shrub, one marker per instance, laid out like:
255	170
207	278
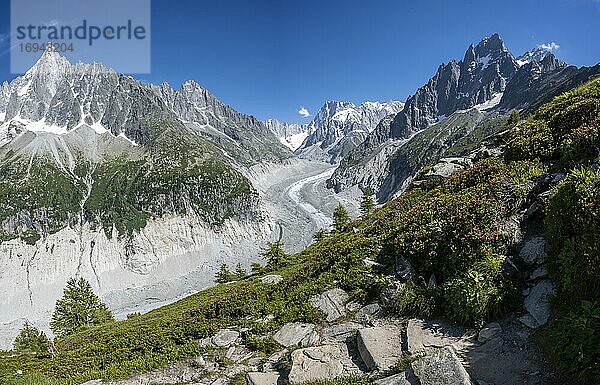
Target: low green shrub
452	236
573	226
566	128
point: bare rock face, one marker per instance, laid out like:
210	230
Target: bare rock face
317	363
297	333
441	368
332	303
380	347
338	127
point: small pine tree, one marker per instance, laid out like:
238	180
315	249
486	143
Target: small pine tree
78	308
32	340
513	119
224	275
275	255
240	272
320	235
341	219
367	205
256	268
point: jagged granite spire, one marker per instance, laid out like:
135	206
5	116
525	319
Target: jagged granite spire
57	96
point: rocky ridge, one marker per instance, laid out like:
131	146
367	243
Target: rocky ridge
488	78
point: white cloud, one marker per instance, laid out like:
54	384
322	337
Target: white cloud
304	112
52	23
552	46
3	37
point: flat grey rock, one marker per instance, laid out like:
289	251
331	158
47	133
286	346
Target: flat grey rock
256	378
534	251
427	334
380	347
93	382
332	303
297	333
316	363
528	321
272	279
396	379
489	332
341	332
441	368
536	303
225	337
540	272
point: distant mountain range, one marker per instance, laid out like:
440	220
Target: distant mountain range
337	128
488	79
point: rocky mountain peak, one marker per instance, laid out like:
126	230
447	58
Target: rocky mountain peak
49	63
538	54
490	45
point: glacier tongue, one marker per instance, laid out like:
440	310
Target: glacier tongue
168	259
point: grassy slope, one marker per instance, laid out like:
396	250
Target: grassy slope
452	231
170	333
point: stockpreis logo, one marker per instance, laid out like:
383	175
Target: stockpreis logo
115	33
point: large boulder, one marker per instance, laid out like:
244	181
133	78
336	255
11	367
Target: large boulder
225	337
536	303
332	302
297	333
534	251
271	279
316	363
257	378
441	368
380	347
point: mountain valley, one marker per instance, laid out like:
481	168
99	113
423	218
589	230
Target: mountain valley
451	238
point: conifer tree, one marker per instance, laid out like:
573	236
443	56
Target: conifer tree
367	205
78	308
513	119
275	255
32	340
240	272
341	219
224	275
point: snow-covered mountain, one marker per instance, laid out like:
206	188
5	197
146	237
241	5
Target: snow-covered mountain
488	78
537	54
338	127
56	96
291	135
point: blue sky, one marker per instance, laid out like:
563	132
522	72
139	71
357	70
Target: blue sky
270	58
